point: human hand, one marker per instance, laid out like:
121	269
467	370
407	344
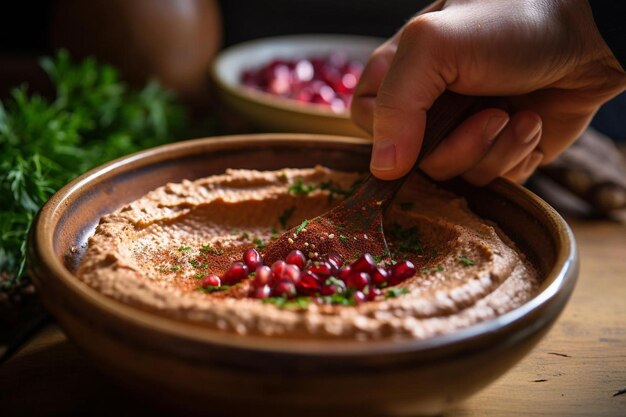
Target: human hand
547	61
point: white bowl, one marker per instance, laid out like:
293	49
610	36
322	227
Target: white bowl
274	113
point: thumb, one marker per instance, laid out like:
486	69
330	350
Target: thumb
414	81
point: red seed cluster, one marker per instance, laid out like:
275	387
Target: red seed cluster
326	80
296	276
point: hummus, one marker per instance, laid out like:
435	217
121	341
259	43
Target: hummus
152	252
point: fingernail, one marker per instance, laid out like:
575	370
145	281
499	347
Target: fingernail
527	129
494	126
383	155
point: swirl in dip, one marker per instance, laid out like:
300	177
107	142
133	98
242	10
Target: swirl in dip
153	252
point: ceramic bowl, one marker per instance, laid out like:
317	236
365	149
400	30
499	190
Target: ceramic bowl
273	113
189	365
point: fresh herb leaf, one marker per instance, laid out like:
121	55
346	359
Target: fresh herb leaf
298	303
299	188
283	219
44	144
259	243
466	261
211	288
184	248
209	248
396	292
304	224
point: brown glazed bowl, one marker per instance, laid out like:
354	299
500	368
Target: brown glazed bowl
186	365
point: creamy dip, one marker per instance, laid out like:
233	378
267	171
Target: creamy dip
152	252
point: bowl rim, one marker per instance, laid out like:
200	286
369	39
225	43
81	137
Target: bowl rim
270	100
561	277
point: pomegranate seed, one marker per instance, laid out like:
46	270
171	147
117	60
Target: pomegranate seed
291	273
278	268
401	271
372	293
336	259
309	283
263	276
365	263
303	70
297	258
345	272
237	272
329	289
284	289
380	276
261	292
211	281
322	270
358	297
358	280
252	259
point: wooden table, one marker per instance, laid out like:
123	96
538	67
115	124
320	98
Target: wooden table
577	370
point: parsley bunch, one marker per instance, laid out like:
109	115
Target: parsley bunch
44	144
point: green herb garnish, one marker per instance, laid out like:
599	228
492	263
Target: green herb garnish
407	239
194	263
211	288
184	248
304	224
259	243
174	268
298	303
466	261
209	248
92	118
396	292
283	219
299	188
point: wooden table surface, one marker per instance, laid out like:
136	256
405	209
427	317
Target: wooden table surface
579	369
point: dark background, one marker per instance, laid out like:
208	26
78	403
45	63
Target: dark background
24	34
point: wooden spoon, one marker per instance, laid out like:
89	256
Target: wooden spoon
355	226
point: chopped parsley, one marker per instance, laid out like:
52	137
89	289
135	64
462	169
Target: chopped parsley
407	239
339	284
343	238
304	224
259	243
184	248
245	236
283	219
299	188
396	292
194	263
299	303
174	268
209	248
211	288
199	275
466	261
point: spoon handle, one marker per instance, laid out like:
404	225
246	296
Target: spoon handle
446	113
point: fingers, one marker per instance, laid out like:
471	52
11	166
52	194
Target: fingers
486	146
412	83
520	137
466	145
522	171
363	101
